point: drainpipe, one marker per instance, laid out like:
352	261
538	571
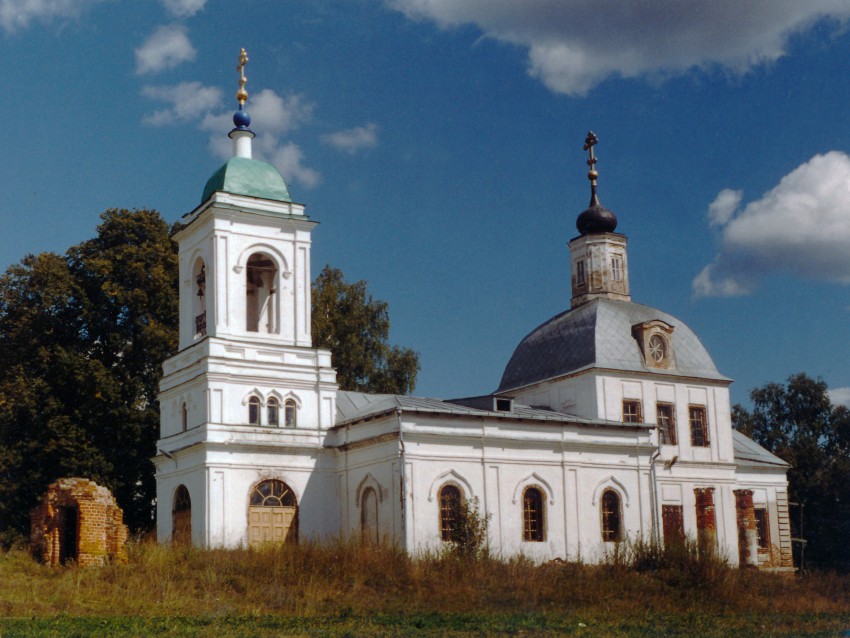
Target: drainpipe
403	478
653	480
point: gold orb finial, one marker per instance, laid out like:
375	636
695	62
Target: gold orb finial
242	94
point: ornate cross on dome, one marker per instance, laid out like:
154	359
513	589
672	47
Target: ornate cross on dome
242	94
589	142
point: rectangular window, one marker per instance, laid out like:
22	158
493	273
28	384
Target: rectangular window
617	268
673	521
762	528
581	277
699	426
631	411
666	423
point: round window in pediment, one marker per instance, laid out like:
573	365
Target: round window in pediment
657	349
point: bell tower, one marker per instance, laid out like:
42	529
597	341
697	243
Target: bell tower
245	251
598	257
246	389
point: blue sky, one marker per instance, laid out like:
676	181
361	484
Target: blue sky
438	143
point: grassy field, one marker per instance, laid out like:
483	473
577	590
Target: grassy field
349	590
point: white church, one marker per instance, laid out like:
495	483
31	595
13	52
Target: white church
611	422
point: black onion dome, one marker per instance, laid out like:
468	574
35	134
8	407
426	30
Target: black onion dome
596	219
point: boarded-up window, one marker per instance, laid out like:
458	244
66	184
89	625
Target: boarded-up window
617	268
532	515
666	423
611	517
673	521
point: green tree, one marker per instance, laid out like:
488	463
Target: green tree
84	337
797	422
355	328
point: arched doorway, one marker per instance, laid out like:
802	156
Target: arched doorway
181	517
272	514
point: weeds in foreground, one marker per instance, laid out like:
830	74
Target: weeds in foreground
642	587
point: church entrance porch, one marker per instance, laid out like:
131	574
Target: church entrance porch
272	514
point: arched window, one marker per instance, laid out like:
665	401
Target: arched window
533	517
184	417
290	413
273	412
273	493
260	299
199	304
272	514
611	516
450	503
181	517
369	516
254	411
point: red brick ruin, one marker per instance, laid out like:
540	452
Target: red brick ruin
706	521
748	545
78	521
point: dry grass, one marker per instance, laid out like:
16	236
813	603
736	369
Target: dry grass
347	579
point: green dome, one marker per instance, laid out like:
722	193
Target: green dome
243	176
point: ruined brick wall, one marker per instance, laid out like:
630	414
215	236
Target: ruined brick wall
78	512
748	547
706	521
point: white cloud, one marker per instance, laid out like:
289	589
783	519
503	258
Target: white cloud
573	45
840	396
289	160
724	206
183	8
187	100
352	140
166	48
274	114
18	14
801	227
271	116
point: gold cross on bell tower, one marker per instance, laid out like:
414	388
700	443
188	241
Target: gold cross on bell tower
589	142
242	94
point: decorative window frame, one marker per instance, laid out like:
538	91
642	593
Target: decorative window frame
610	483
534	480
367	482
643	332
450	476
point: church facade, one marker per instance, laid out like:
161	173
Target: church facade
611	422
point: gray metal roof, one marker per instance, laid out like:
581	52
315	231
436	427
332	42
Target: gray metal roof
748	453
357	406
598	334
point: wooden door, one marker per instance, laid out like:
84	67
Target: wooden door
271	525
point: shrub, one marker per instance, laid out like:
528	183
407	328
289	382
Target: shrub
468	538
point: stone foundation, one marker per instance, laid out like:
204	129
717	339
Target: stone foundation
78	521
